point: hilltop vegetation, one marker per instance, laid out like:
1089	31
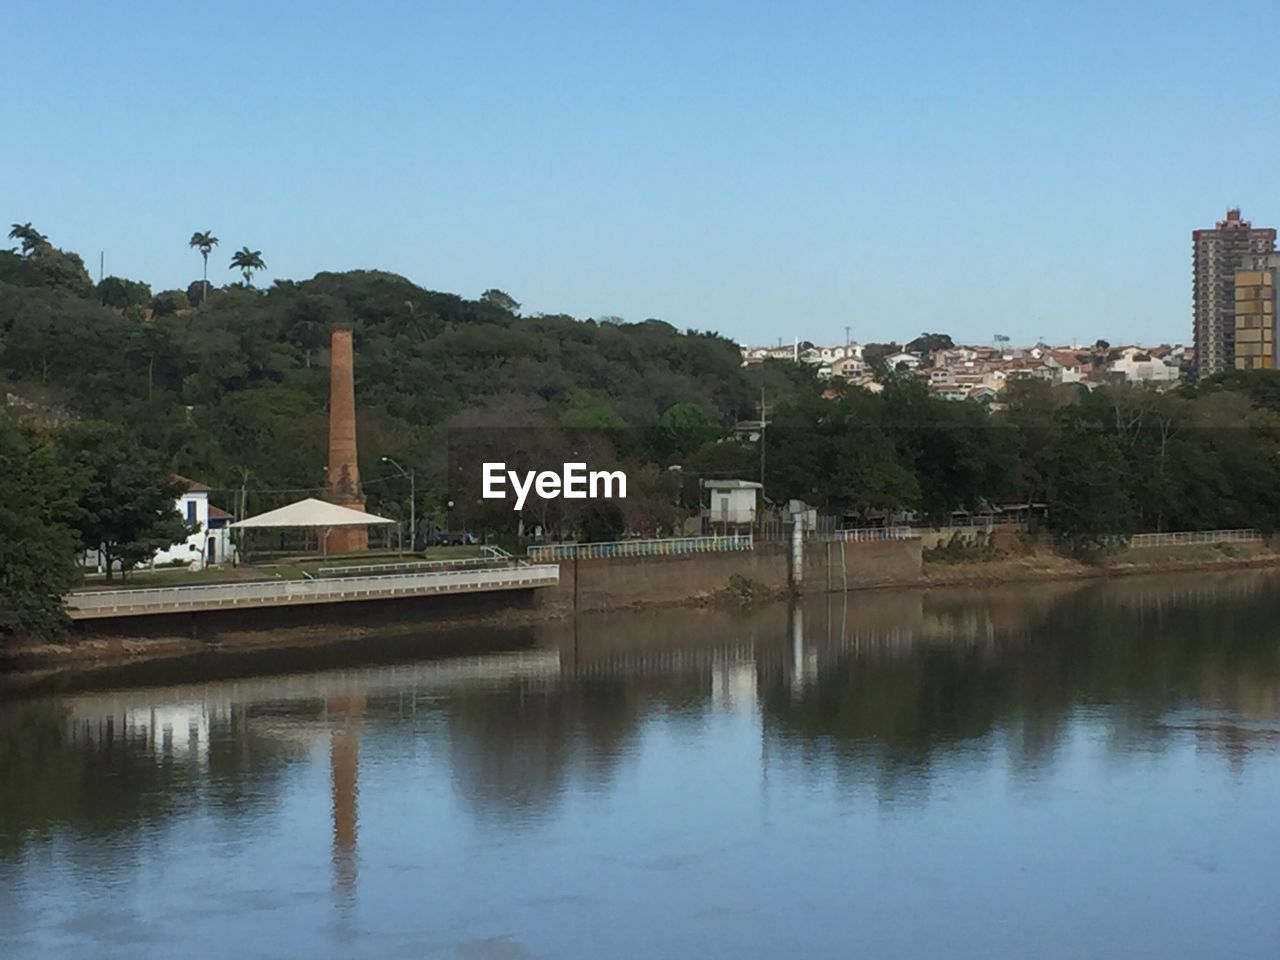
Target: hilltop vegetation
234	390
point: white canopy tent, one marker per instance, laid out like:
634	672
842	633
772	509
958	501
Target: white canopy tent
312	514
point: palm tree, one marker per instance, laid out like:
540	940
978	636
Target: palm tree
31	238
247	261
204	242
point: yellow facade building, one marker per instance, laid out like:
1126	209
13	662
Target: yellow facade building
1255	318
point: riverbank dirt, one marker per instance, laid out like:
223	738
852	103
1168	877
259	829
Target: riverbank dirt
1042	564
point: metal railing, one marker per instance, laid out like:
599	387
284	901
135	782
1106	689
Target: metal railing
675	546
410	566
1139	540
264	593
490	557
868	534
983	521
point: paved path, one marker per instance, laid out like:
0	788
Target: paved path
96	604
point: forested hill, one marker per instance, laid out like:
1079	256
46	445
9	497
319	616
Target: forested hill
233	392
236	386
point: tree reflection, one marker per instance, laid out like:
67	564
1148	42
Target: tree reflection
878	689
985	670
513	748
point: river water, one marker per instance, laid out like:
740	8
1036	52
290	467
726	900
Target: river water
1069	770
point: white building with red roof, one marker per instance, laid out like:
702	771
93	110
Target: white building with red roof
209	540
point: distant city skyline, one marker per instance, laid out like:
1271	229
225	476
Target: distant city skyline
756	170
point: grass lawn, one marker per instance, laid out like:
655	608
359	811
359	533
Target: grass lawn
291	569
178	577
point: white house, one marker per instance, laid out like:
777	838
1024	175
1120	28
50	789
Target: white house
734	502
1066	366
209	540
904	360
848	367
951	356
1136	365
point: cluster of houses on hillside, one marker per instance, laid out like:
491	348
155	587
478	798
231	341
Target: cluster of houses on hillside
981	372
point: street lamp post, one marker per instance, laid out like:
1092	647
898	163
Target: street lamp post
413	503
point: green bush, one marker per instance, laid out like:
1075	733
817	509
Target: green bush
964	548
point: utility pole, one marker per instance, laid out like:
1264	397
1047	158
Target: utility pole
413	501
241	509
764	417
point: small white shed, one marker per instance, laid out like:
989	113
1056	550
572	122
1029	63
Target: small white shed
733	501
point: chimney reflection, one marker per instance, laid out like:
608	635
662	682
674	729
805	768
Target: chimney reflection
345	714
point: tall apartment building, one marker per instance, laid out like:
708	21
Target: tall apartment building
1257	296
1233	244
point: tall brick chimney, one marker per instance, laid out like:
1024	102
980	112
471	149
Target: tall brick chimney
343	486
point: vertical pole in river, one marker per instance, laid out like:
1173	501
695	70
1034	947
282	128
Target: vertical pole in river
797	550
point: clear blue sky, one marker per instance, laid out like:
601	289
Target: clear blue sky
765	170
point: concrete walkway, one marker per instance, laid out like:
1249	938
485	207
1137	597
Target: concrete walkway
96	604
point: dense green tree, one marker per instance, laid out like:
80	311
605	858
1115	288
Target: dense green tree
1091	509
729	459
501	299
1262	387
197	293
31	239
1032	425
124	294
653	506
837	457
684	428
37	543
873	353
43	265
126	496
950	448
168	302
927	343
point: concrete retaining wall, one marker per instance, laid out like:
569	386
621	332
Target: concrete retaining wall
831	567
623	582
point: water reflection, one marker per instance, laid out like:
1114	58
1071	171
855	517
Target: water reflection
649	720
344	761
